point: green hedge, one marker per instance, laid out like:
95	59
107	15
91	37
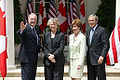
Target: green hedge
18	17
106	14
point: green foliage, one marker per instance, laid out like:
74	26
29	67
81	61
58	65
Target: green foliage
106	14
18	17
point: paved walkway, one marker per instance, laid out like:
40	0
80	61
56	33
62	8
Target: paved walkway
110	71
65	78
113	73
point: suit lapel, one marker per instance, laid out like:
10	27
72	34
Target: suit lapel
55	38
89	37
49	39
30	32
30	29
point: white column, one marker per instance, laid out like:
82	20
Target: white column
10	34
117	65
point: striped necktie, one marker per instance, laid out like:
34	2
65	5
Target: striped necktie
91	34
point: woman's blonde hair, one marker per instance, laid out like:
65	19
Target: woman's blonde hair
55	21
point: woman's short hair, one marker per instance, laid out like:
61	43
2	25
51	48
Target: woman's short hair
77	22
55	20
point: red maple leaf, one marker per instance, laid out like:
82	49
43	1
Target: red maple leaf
2	23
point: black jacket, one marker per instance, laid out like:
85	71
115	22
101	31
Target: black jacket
99	45
55	48
29	47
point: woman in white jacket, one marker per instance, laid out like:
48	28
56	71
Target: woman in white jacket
77	51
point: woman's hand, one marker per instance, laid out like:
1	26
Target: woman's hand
51	56
78	67
53	60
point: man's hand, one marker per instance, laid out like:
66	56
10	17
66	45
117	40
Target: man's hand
100	60
22	26
68	63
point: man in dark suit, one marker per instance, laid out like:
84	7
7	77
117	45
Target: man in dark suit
54	58
98	45
29	49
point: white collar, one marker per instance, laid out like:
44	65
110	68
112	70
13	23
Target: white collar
32	27
52	35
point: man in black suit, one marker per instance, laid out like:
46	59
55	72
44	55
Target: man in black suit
29	49
98	45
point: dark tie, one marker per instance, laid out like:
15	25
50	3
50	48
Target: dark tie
91	34
34	31
35	34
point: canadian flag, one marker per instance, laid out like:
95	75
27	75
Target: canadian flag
82	14
3	39
62	16
42	21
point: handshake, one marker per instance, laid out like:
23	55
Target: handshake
51	58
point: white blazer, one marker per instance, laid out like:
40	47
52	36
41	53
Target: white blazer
77	48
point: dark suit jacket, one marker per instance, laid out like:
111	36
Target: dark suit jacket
99	44
55	48
29	47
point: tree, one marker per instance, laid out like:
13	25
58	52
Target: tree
106	14
18	17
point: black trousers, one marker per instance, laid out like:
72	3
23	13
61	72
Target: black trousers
54	72
28	70
96	71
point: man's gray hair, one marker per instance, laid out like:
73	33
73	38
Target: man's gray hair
96	17
32	14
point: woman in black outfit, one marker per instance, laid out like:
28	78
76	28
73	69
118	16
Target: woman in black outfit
54	58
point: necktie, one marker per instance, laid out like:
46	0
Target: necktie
34	31
91	34
35	34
